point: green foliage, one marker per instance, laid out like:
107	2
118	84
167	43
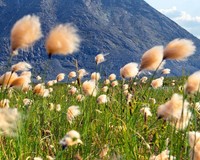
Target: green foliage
117	124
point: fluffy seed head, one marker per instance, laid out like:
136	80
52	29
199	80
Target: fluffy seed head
70	139
21	66
194	141
25	32
179	49
89	88
105	89
156	83
95	76
82	73
72	74
152	58
114	83
73	112
4	103
7	78
8	118
176	111
102	99
63	39
164	155
107	81
166	71
60	77
146	111
130	70
99	58
21	83
112	77
193	83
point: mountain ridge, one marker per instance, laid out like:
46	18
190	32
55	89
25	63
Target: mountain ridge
123	28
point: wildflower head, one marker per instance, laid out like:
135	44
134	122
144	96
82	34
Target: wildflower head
70	139
72	74
156	83
102	99
25	32
63	39
81	73
21	66
89	88
99	58
95	76
194	141
112	77
151	59
130	70
60	77
9	118
72	112
179	49
193	83
166	71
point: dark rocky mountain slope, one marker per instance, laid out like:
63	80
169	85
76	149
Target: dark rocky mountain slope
123	28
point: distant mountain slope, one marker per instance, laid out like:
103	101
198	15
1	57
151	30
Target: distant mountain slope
123	28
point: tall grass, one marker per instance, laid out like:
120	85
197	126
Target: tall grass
116	124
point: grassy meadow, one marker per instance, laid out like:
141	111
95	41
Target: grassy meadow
117	127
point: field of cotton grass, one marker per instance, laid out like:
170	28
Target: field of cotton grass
134	116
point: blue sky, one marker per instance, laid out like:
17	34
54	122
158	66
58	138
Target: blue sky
184	12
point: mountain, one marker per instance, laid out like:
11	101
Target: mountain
123	28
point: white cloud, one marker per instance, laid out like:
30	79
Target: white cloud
184	19
187	17
169	10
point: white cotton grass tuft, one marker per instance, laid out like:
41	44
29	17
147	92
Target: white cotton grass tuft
40	90
21	66
193	83
152	59
27	102
25	32
166	71
164	155
5	103
60	77
100	58
176	111
80	97
144	79
157	83
102	99
7	78
106	82
104	89
9	118
112	77
22	82
89	88
114	83
179	49
130	70
63	40
95	76
72	74
72	113
71	138
81	73
146	111
194	141
38	78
